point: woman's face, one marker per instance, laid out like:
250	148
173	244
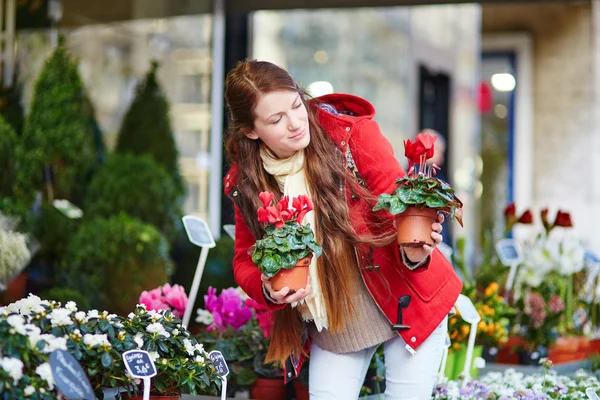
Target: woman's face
281	122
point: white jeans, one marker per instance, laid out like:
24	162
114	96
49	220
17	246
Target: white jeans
340	376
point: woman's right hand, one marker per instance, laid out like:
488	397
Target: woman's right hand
284	296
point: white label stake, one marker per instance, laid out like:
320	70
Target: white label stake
139	364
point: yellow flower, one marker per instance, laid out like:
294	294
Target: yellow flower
491	289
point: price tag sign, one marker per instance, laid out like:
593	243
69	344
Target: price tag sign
230	230
509	252
467	309
69	377
69	209
139	364
198	231
591	394
219	362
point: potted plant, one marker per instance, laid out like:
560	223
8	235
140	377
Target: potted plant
419	196
239	328
98	340
496	314
285	251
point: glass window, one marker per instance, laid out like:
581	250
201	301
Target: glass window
114	57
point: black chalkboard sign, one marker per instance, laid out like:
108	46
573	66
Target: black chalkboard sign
139	364
198	231
69	377
219	362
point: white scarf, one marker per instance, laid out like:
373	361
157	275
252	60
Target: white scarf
290	176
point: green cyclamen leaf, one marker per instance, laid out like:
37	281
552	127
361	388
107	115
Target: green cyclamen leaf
435	202
256	256
396	206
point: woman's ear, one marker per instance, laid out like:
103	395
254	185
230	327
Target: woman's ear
250	134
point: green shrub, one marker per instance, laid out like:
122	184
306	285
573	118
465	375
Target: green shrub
137	186
11	108
113	260
8	144
64	295
146	128
57	133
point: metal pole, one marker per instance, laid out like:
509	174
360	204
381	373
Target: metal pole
195	285
216	130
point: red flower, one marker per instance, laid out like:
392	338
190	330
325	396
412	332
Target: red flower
526	218
427	141
563	219
510	210
284	203
266	198
413	151
274	216
303	205
263	215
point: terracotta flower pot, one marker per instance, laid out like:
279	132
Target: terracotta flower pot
295	278
414	226
268	389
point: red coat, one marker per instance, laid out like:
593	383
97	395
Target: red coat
433	290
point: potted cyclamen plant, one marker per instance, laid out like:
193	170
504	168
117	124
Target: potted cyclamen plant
419	196
285	251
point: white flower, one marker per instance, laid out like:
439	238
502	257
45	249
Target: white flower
93	314
60	317
96	340
156	316
241	293
18	323
45	372
81	317
14	255
479	363
138	339
199	348
199	359
187	344
13	367
204	317
29	390
157	328
29	305
154	355
130	315
175	332
71	306
53	343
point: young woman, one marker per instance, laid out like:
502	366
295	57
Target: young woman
364	290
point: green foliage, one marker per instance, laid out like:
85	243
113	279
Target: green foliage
64	294
11	109
421	191
113	260
8	144
138	186
146	128
284	247
244	350
56	133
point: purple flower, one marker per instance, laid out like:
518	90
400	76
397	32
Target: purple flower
560	389
529	394
440	390
228	309
474	389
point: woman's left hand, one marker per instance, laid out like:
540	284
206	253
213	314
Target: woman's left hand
418	254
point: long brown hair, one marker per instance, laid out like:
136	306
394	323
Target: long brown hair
326	175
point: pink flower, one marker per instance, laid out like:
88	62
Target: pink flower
556	305
264	316
176	298
228	310
152	302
